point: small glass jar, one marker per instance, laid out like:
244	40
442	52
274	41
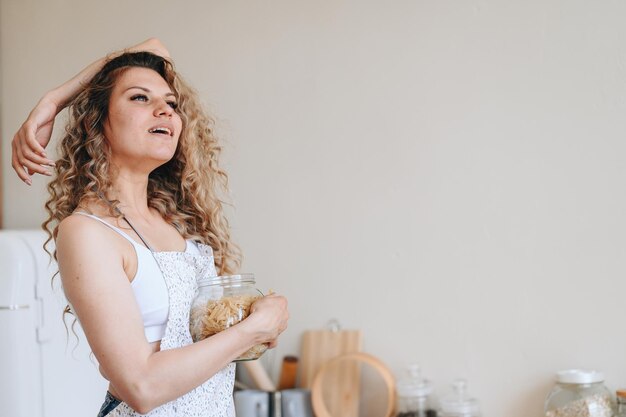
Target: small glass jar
414	395
459	403
222	302
621	403
579	393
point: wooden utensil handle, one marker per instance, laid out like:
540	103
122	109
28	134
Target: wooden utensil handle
259	375
288	373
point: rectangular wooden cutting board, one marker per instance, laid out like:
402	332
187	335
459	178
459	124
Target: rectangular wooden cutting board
342	383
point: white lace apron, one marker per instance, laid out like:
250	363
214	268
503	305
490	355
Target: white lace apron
214	398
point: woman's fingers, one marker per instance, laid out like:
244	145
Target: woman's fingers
18	167
36	158
268	317
27	138
26	162
29	156
26	158
33	167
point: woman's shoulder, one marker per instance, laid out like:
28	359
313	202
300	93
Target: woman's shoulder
88	215
76	224
81	220
83	233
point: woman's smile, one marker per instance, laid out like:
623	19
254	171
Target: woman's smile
162	129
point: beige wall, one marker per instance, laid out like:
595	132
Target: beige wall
446	176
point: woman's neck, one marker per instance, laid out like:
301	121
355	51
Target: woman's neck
131	191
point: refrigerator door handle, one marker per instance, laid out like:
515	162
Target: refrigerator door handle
44	331
15	307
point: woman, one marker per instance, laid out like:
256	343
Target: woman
135	216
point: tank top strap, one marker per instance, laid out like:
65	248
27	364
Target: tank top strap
118	230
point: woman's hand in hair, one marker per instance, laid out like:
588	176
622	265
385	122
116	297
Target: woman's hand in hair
150	45
28	146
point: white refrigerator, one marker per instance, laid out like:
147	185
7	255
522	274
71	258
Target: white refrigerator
43	371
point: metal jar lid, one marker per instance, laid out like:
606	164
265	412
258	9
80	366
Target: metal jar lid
579	376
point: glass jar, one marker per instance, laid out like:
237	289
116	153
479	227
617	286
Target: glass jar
459	403
621	403
579	393
414	395
222	302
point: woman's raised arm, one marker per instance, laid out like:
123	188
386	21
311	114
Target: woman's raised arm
29	143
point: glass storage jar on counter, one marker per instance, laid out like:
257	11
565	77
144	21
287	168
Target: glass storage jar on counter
579	393
222	302
414	395
459	403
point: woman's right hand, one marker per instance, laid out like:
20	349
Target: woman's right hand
28	145
268	319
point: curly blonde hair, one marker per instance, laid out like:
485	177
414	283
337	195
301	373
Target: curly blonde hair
186	191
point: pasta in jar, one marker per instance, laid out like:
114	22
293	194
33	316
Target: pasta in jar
221	303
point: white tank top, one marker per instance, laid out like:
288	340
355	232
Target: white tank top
148	285
175	283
